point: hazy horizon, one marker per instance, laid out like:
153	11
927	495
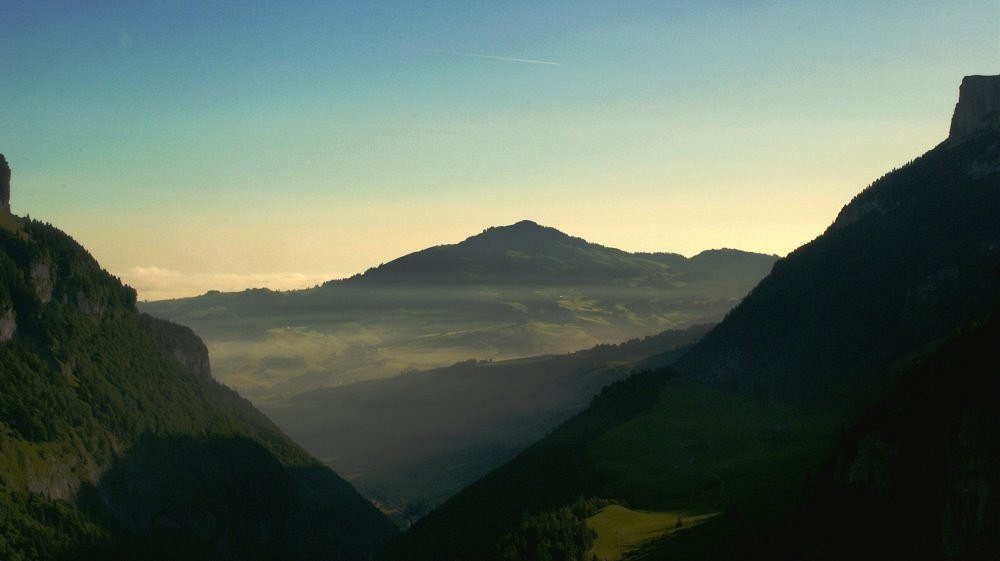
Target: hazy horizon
195	146
155	283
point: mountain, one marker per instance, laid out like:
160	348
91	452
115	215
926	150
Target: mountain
526	253
804	398
408	442
116	442
510	292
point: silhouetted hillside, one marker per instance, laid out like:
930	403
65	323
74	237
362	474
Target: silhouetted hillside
911	259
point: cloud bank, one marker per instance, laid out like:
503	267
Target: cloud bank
159	283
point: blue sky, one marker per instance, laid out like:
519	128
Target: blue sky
197	145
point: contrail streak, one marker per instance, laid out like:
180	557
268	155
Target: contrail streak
506	58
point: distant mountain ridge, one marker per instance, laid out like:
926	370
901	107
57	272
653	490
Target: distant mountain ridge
508	292
528	252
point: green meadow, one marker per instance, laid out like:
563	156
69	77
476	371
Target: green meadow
619	530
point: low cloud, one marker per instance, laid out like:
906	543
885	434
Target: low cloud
158	283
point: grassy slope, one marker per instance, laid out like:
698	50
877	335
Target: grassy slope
620	530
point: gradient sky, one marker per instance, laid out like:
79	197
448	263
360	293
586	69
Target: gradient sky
197	145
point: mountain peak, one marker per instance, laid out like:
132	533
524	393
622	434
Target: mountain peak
525	224
978	99
525	232
4	184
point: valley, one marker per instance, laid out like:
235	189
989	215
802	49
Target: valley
420	375
411	441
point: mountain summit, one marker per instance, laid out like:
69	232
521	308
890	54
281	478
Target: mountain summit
524	234
526	253
978	105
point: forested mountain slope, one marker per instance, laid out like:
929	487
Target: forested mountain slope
115	441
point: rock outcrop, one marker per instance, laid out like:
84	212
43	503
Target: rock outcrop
978	100
41	281
8	325
4	184
181	343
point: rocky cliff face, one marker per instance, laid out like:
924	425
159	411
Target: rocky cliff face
41	280
181	343
4	184
8	325
978	99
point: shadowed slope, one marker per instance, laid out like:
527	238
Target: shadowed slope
412	440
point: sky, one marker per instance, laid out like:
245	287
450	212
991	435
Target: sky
222	145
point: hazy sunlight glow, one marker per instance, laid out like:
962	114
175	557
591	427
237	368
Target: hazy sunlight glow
239	145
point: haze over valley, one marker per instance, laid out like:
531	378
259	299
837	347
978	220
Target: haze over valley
513	291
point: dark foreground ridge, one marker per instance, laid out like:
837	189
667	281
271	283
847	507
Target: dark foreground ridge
117	443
